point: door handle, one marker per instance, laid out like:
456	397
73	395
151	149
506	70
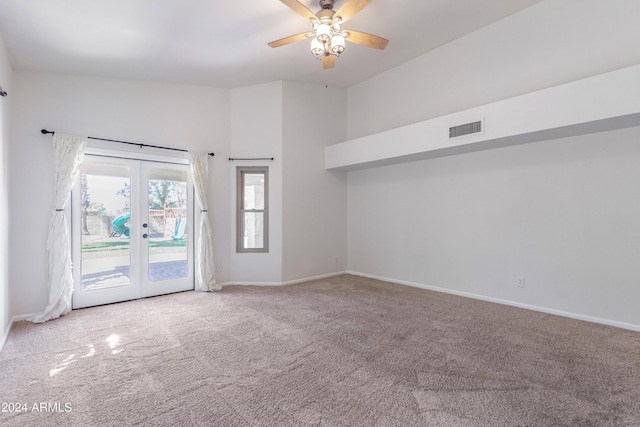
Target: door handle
145	235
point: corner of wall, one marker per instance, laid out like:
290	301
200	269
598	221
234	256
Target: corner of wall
314	199
6	74
256	131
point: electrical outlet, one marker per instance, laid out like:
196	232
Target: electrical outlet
520	281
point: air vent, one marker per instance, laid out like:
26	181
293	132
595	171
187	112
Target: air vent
466	129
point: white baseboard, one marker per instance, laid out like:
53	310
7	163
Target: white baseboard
5	335
562	313
14	319
250	284
288	282
309	279
20	317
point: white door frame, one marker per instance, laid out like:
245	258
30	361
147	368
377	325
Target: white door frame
149	288
140	286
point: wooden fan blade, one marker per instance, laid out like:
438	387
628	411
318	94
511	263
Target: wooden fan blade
364	39
299	8
350	8
328	61
288	40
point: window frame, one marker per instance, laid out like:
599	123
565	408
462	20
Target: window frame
241	171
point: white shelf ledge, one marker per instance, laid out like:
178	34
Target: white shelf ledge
605	102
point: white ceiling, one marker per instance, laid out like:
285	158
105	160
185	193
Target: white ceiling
224	44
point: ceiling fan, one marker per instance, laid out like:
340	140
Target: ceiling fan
328	37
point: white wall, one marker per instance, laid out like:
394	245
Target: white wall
307	204
549	43
256	131
562	213
181	116
314	199
6	83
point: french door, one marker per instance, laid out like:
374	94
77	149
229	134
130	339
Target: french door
132	230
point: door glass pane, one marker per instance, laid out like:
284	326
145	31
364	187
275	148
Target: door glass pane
167	226
253	230
105	198
254	191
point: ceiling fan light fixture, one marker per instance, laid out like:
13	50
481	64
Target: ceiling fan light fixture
327	37
337	44
317	48
323	33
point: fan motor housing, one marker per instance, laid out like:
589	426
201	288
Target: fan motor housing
326	4
325	15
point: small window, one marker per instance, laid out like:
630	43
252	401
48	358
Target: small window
253	209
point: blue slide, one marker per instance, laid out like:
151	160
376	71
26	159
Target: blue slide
119	224
181	228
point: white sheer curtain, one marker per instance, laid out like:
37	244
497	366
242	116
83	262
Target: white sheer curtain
205	264
68	152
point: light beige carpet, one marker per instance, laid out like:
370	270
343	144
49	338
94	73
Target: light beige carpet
344	351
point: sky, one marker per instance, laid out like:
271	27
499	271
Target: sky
103	189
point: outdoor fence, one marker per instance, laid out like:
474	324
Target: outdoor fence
161	221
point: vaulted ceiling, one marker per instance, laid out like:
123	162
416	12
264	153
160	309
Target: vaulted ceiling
224	44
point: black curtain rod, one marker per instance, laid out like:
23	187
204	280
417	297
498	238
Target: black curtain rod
250	158
44	132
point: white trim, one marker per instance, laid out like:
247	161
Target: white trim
569	314
289	282
250	284
14	319
151	154
309	279
5	335
20	317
